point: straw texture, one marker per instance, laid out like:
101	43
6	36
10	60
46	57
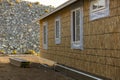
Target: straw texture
101	54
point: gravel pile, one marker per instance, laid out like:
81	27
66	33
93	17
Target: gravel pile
18	31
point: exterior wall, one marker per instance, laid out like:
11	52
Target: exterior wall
101	54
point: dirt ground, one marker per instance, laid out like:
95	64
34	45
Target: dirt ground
35	72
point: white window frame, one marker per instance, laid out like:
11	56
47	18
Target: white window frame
45	46
78	44
58	39
99	12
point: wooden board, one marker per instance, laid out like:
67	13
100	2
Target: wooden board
19	62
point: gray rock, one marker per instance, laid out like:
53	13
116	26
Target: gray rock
18	31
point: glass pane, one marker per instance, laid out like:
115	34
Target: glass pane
95	5
45	35
78	25
98	4
73	16
101	3
57	29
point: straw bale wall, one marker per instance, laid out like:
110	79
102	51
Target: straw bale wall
101	54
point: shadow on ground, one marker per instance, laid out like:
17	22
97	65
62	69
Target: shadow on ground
35	72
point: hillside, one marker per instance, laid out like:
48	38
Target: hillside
17	29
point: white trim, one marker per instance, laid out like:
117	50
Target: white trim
45	24
80	43
93	77
59	8
99	13
58	40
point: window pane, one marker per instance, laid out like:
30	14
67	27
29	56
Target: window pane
57	29
98	4
101	3
95	5
78	25
45	35
73	16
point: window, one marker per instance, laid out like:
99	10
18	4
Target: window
45	36
77	32
99	9
98	5
57	30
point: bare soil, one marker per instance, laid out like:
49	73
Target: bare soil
35	72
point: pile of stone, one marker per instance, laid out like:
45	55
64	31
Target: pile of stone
18	31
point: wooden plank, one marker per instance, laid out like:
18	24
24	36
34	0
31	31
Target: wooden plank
19	62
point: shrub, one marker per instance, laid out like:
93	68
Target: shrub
37	3
30	5
2	51
14	52
46	11
17	1
30	52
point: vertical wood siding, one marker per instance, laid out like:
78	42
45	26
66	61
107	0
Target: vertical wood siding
101	54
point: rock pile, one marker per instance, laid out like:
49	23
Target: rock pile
17	29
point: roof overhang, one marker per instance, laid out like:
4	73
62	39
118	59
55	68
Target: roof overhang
58	8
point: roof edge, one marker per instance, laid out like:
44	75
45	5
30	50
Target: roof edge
59	8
